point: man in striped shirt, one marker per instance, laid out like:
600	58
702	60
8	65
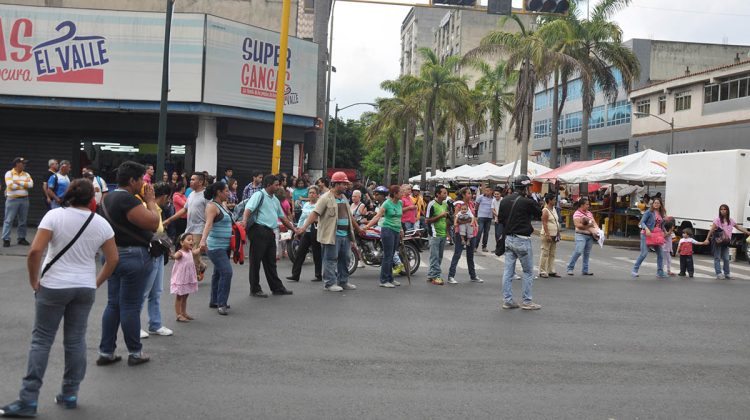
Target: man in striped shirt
17	185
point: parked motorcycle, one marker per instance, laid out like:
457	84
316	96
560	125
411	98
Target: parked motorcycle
369	249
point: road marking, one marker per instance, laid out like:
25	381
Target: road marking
703	269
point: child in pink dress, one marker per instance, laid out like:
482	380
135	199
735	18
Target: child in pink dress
184	279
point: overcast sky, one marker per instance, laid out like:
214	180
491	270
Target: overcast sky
366	42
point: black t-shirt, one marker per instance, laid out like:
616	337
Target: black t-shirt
119	203
520	223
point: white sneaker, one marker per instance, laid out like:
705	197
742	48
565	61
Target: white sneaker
516	277
396	283
451	280
334	288
387	285
361	265
349	286
164	331
144	334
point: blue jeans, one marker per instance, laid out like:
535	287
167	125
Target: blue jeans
644	254
408	226
390	239
437	246
54	205
53	305
498	230
484	231
336	261
583	246
457	251
721	253
154	287
15	208
125	290
221	279
517	248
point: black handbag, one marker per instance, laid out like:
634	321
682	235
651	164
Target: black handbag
159	245
500	244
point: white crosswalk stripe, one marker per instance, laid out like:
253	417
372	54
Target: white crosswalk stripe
701	267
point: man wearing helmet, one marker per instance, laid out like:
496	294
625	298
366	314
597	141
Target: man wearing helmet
336	226
515	213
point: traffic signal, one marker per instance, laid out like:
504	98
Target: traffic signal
499	7
469	3
547	6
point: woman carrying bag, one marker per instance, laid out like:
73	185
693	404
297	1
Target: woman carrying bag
652	235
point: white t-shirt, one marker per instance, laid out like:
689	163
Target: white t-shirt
77	267
496	205
100	187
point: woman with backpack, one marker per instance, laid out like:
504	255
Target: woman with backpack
721	233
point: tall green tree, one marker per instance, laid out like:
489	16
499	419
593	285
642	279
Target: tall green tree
495	95
349	139
402	112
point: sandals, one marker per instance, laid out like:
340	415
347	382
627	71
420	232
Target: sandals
554	275
182	318
190	318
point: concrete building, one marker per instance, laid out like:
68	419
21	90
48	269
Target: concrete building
306	19
94	99
417	31
710	110
261	13
610	123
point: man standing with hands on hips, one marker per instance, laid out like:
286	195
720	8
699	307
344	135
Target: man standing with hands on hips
18	182
336	227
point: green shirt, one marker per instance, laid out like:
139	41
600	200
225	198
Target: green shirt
436	209
392	215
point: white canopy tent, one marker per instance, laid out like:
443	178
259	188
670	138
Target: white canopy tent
481	172
648	166
507	172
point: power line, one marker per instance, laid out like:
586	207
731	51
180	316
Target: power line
701	12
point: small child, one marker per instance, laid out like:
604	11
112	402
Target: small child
666	248
592	228
184	279
685	249
464	229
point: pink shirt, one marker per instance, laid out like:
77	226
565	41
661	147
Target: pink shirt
409	216
581	214
726	227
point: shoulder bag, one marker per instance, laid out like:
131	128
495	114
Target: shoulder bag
500	244
70	244
254	214
159	245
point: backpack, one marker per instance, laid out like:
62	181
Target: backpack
239	209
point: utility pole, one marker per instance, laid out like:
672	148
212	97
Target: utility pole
317	155
161	145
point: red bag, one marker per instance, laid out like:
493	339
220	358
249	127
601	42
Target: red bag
656	238
237	244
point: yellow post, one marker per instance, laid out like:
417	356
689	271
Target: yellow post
280	85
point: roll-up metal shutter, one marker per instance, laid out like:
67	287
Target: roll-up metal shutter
248	154
38	149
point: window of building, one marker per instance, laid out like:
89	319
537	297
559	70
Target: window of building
597	117
309	6
662	104
573	122
643	108
574	90
541	100
541	129
682	101
618	113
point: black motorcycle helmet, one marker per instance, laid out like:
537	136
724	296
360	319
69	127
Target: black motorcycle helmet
520	182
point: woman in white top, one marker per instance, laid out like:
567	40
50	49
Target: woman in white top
550	232
64	289
357	207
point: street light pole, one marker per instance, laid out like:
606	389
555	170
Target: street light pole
669	123
336	125
328	95
161	142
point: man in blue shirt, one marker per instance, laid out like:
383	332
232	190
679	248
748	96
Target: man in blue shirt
484	217
58	183
266	209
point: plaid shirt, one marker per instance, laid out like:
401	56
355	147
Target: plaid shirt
250	190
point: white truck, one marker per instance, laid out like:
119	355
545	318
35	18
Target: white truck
698	183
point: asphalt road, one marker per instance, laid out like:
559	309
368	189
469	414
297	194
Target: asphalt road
602	347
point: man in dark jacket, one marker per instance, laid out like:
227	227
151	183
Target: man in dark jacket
515	213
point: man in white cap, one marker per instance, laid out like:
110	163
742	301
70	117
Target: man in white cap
418	200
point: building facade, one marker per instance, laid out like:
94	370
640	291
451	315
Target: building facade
709	110
93	98
417	31
610	122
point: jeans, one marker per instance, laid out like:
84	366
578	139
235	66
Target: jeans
390	239
644	254
484	231
583	246
221	279
54	205
336	261
408	226
547	260
154	287
721	253
437	246
517	248
686	264
125	290
457	251
73	305
498	231
15	208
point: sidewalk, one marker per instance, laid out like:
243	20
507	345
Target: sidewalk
618	241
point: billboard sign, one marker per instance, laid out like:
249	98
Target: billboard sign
242	63
97	54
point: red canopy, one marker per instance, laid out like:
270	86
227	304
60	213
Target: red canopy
552	175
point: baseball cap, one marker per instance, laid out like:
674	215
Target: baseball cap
416	188
20	160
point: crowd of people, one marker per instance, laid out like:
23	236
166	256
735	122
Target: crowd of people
128	228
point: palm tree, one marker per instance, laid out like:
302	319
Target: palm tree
383	125
598	49
495	96
532	55
403	111
437	85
